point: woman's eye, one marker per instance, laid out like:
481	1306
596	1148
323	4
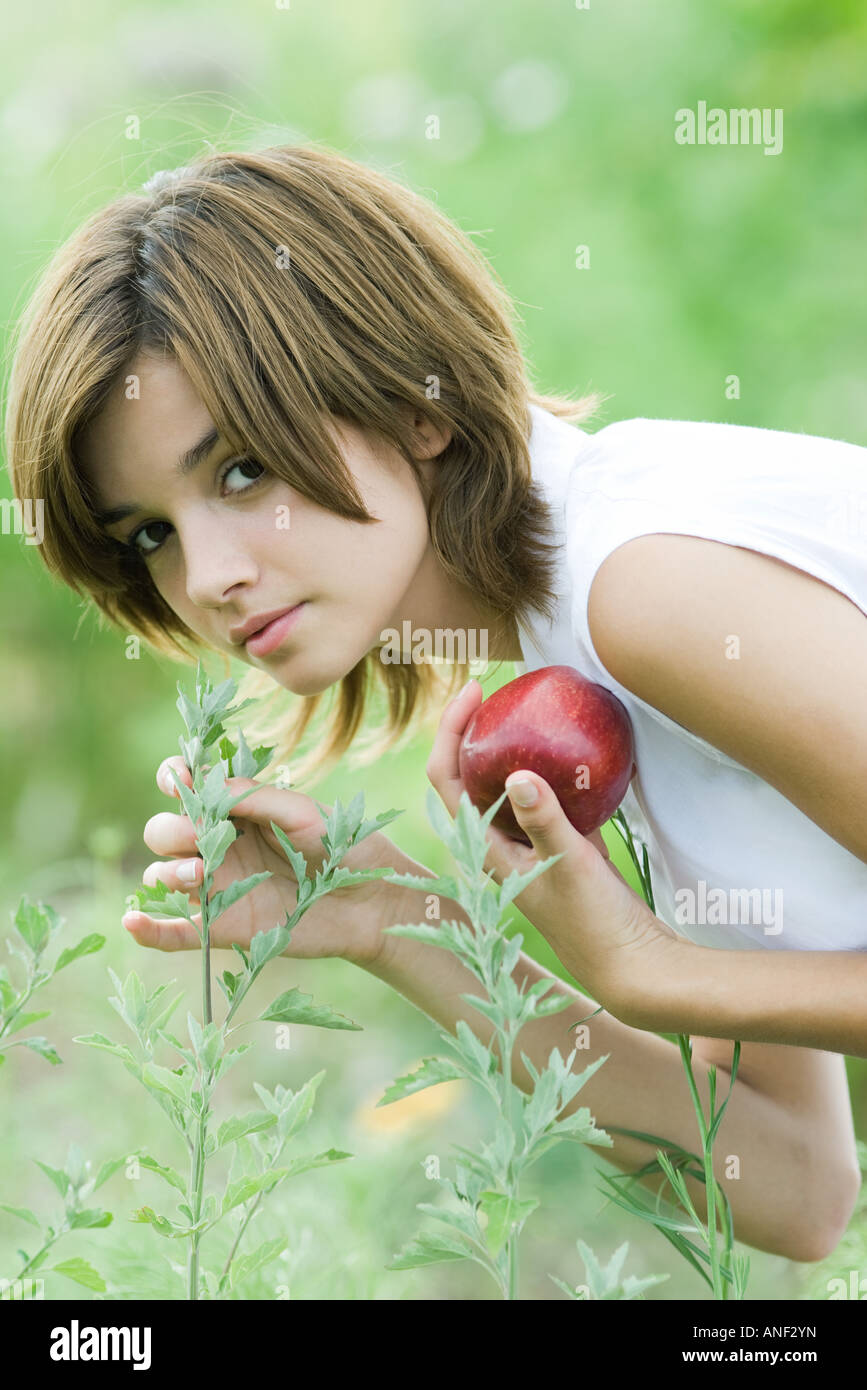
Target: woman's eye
134	542
245	463
137	536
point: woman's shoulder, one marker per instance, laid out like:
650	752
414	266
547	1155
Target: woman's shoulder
707	448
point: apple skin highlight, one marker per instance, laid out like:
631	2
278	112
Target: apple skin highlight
570	731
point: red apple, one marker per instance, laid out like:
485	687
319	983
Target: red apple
571	731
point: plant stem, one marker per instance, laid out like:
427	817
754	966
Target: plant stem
709	1179
720	1286
512	1248
207	1010
511	1184
41	1251
247	1217
197	1185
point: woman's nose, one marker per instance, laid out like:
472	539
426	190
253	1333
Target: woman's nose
215	564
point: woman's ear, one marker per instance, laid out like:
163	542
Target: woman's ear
427	440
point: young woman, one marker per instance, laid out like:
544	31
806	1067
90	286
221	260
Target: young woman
275	407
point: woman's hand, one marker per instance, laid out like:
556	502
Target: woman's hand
601	929
347	922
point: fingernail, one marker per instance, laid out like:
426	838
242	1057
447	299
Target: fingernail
523	793
463	690
187	870
165	780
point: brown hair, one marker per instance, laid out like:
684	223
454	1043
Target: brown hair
381	303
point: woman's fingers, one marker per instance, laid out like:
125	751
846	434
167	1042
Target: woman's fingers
166	833
166	782
442	765
184	875
292	811
163	934
443	772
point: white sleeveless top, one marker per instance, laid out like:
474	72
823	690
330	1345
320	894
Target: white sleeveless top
733	862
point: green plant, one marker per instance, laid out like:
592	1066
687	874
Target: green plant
75	1187
728	1270
488	1215
186	1092
603	1281
37	926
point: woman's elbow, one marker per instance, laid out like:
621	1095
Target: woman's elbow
830	1214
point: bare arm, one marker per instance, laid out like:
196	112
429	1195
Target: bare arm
787	1200
805	998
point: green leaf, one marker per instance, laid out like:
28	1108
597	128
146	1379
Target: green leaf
106	1045
57	1176
212	793
479	1058
295	1007
320	1160
228	984
505	1215
82	1273
244	1265
24	1212
92	1217
173	1178
207	1042
110	1166
75	1165
295	857
265	945
579	1125
428	1249
347	878
24	1021
227	897
244	762
190	800
670	1228
230	1058
172	1230
516	882
605	1282
161	902
552	1003
567	1289
432	1071
233	1129
7	993
460	1220
85	947
247	1187
493	1011
441	886
35	924
215	843
293	1109
165	1080
43	1047
430	935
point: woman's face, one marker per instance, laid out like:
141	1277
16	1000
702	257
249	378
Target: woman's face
229	541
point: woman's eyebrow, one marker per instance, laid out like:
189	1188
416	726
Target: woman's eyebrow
186	463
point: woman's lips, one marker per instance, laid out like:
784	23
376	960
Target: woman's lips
268	638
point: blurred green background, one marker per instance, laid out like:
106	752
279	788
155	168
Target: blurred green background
556	131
